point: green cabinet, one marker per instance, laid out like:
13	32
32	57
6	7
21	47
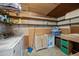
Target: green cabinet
65	50
65	43
65	46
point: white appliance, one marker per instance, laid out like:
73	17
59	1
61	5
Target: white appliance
11	46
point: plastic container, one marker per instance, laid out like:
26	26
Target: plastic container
30	50
56	31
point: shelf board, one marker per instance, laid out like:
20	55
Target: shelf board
64	25
35	25
32	18
27	24
68	18
69	24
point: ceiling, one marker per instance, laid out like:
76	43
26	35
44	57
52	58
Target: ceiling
39	8
49	9
62	9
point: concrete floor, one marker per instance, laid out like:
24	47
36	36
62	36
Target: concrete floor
46	52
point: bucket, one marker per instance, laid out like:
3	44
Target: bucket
30	50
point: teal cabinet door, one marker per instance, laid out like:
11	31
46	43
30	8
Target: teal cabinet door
65	43
64	50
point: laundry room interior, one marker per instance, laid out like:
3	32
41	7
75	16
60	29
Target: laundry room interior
39	29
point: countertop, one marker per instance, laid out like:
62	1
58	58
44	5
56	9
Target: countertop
9	42
70	37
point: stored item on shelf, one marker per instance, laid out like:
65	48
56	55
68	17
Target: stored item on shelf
19	21
6	19
56	31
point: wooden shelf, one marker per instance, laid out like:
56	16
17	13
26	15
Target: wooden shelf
70	21
37	19
64	25
27	24
69	18
69	24
36	25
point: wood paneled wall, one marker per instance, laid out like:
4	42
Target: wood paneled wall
31	36
37	31
75	29
65	29
70	30
26	42
42	31
29	39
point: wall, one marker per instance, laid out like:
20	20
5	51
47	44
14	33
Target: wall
75	13
65	29
72	28
42	31
71	14
20	29
60	18
75	29
30	32
64	22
